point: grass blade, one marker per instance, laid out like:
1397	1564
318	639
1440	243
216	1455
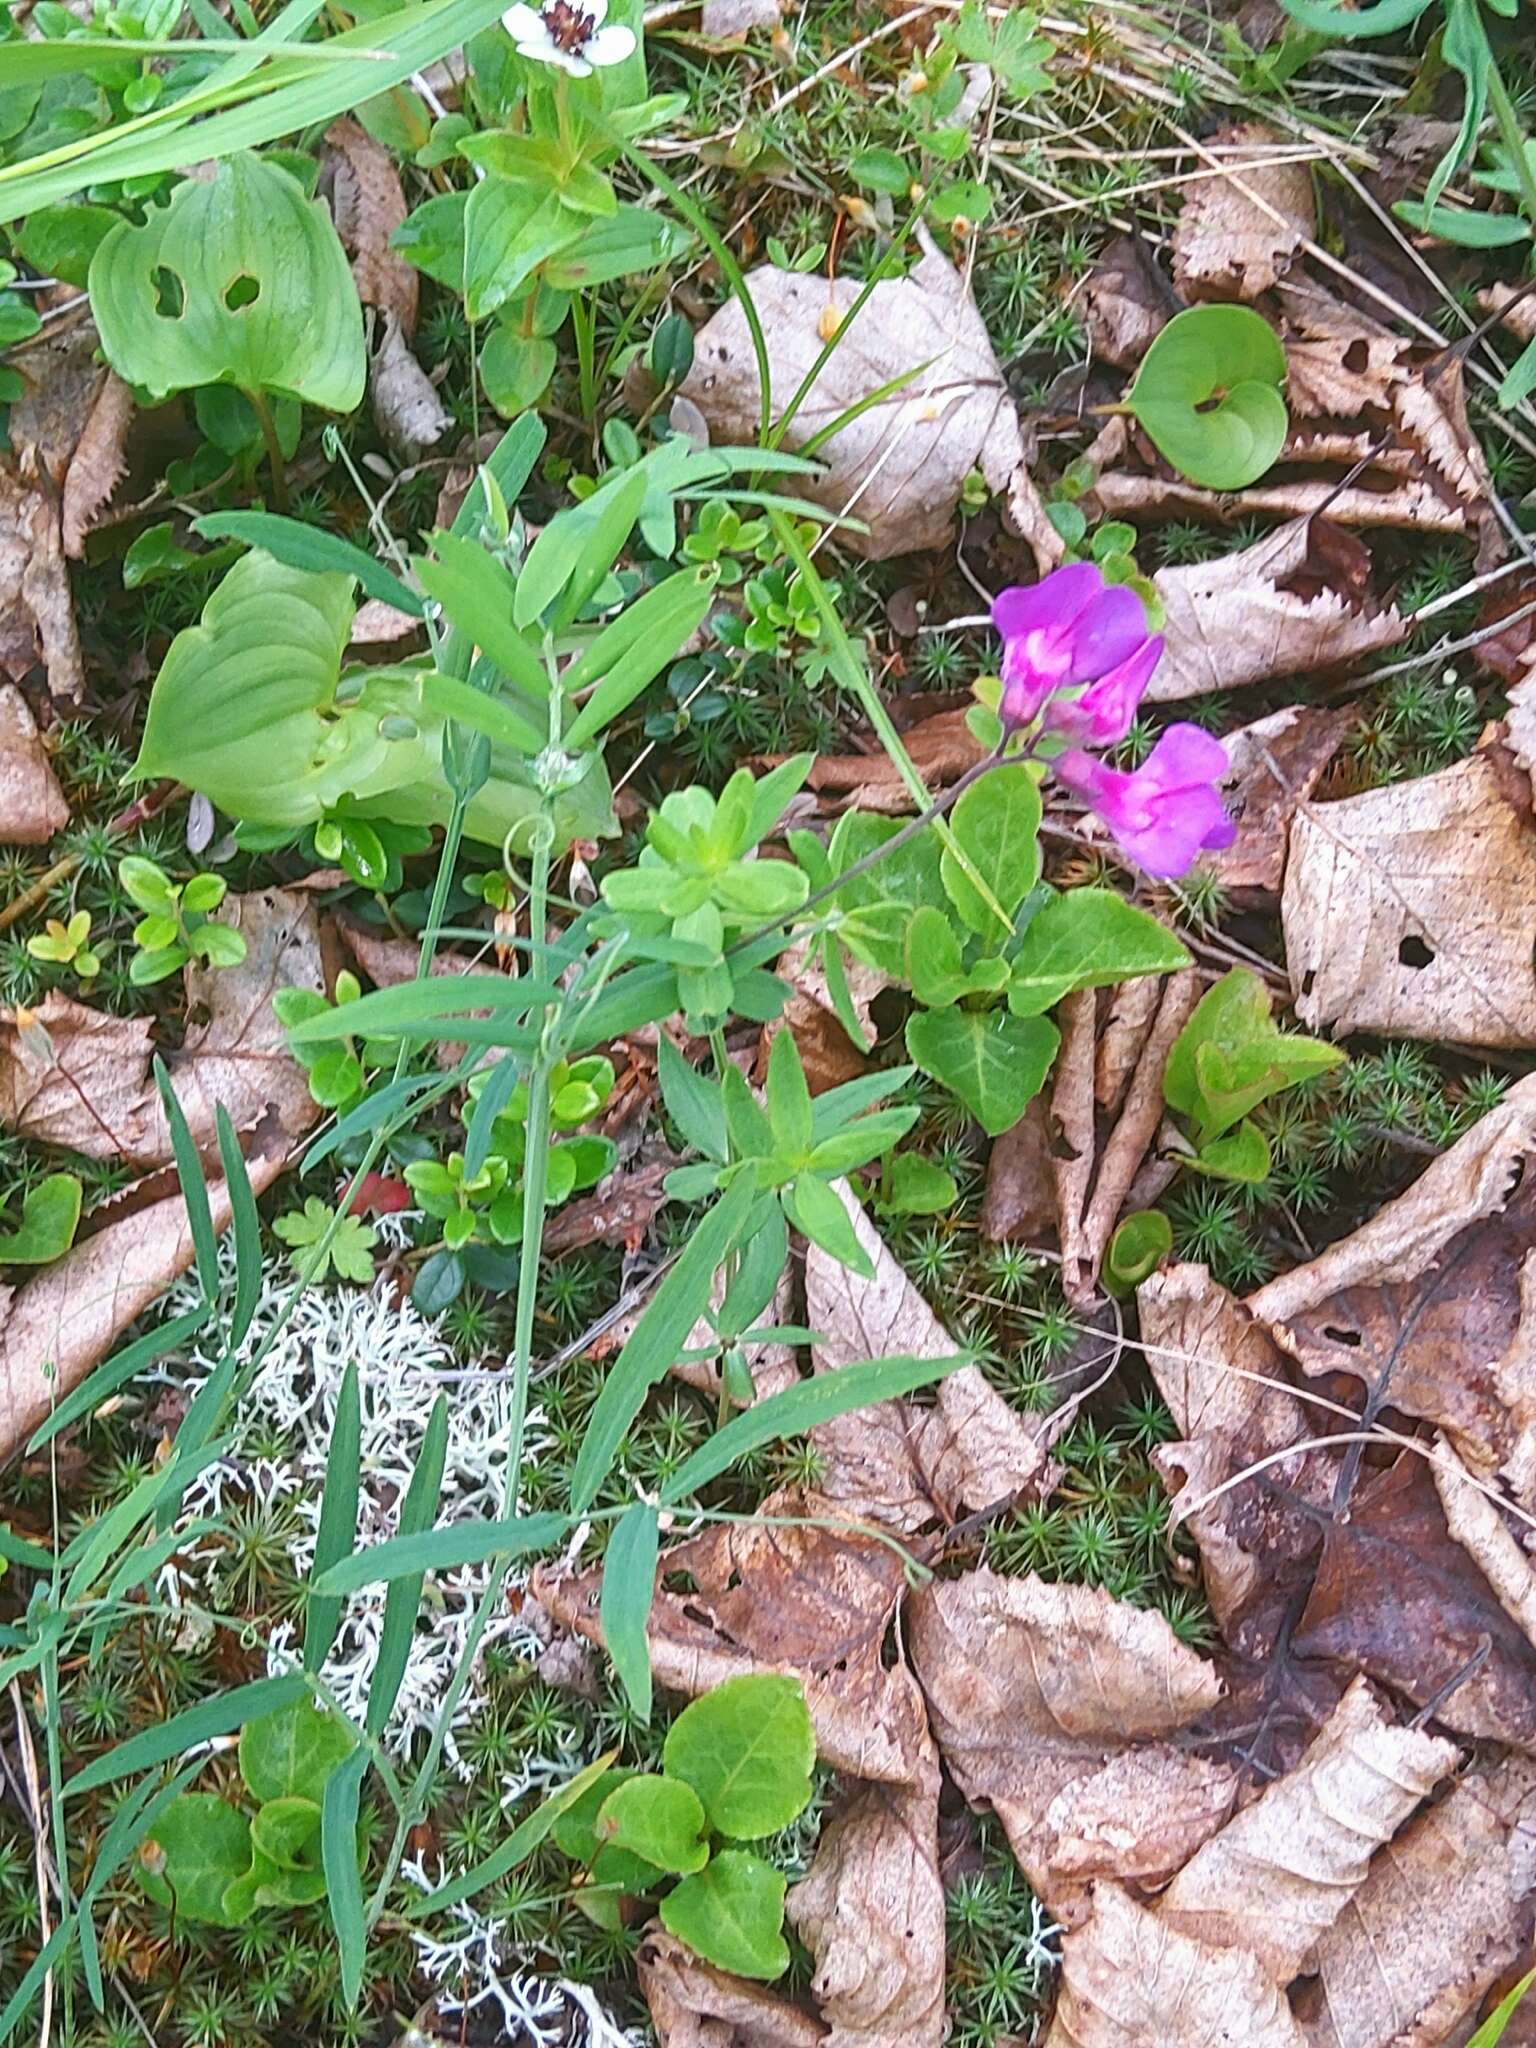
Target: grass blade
518	1846
417	1511
336	1536
306	547
184	1731
244	1228
629	1585
343	1879
194	1188
443	1550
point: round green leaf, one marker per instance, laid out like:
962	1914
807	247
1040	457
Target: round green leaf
241	280
746	1748
732	1914
288	1830
1209	394
659	1819
290	1754
200	1846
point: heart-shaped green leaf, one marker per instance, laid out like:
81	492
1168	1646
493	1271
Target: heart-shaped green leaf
997	823
1209	394
659	1819
746	1748
241	280
49	1215
995	1063
1087	938
290	1754
199	1847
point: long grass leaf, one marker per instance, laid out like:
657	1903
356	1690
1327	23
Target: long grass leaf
404	1597
336	1536
184	1731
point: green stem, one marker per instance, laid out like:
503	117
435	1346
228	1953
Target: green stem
274	450
1507	121
586	356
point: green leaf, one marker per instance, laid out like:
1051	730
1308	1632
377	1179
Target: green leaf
746	1747
915	1186
298	546
997	822
290	1754
1465	227
336	1535
241	280
630	239
1240	1155
50	1214
634	649
444	1550
523	1840
908	878
288	1830
1222	353
731	1913
343	1877
476	592
59	241
404	1597
197	1849
803	1407
515	369
817	1213
996	1064
509	229
788	1097
1230	1057
659	1820
1141	1242
659	1337
882	171
693	1102
629	1584
194	1186
1493	2029
1380	18
217	1716
1087	938
935	970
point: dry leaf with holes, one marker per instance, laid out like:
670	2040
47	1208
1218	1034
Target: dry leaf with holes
32	806
1297	601
815	1602
695	2006
900	465
1127	1981
1052	1704
80	1078
903	1464
1239	228
60	1324
1411	909
1442	1913
871	1911
1277	1876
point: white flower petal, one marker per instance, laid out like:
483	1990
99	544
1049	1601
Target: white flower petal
567	60
596	11
610	45
525	25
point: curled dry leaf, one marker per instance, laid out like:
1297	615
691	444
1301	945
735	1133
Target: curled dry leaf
1050	1703
32	806
1443	1911
1239	228
53	1330
1298	601
71	426
1279	1873
1429	1302
897	1462
406	407
871	1911
900	465
1127	1981
1411	909
1277	762
360	183
37	616
1472	1516
695	2006
80	1078
815	1602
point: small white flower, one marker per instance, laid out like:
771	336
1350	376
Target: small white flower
569	33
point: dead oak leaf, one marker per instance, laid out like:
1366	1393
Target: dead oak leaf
897	1462
1411	909
71	426
1238	230
1295	602
1049	1703
1276	1877
32	806
694	2005
1127	1981
1126	301
871	1911
900	465
1444	1909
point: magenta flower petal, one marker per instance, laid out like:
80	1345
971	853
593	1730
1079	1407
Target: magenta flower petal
1164	813
1107	632
1101	715
1052	602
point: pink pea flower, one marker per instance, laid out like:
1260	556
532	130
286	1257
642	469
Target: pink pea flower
1165	813
1068	629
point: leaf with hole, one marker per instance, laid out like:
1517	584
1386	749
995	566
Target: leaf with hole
1209	394
240	280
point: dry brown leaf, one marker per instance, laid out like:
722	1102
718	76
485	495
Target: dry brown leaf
1132	1007
941	749
1020	1202
1411	909
1127	1981
1277	762
896	1462
1296	602
37	617
359	180
1048	1702
1238	231
695	2006
1474	1521
32	806
814	1602
377	624
71	426
1223	1378
406	406
1126	301
723	19
1443	1911
1515	306
900	465
1278	1875
871	1911
53	1330
89	1088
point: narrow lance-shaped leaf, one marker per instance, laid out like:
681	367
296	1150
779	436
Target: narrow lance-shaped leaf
404	1596
343	1879
629	1583
337	1533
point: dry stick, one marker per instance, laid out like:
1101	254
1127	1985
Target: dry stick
1072	1112
1143	1112
1122	1042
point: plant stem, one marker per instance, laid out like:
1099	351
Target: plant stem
1507	121
275	463
586	357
